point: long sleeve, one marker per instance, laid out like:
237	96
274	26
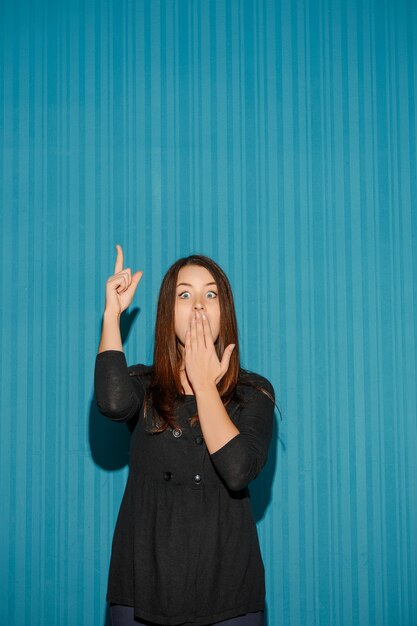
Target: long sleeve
119	395
241	459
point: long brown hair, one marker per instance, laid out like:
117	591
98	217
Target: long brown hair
165	386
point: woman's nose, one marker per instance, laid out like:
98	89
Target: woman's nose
198	306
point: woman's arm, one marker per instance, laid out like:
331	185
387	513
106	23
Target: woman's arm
237	451
204	370
119	396
241	459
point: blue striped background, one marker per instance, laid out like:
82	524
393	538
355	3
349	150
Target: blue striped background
280	139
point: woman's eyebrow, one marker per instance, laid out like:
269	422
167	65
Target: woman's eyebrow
188	284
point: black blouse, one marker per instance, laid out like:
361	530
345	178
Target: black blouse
185	548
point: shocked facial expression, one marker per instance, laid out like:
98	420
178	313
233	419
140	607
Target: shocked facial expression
196	290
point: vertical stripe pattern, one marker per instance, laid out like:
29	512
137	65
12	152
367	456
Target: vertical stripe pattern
279	138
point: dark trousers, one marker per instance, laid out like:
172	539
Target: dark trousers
122	615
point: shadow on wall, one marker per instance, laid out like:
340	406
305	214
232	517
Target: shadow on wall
110	443
107	620
261	488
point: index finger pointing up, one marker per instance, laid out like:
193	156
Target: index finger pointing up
119	260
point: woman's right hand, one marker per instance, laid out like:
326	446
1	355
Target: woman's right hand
120	287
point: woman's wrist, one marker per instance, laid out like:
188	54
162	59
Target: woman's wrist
110	315
110	334
205	388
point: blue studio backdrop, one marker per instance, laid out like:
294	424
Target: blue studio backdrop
279	138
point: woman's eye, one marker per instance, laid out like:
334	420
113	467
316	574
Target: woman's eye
185	295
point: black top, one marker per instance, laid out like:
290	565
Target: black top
185	548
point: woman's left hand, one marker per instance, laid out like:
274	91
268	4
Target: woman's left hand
201	362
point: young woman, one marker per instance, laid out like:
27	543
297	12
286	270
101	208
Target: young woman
185	548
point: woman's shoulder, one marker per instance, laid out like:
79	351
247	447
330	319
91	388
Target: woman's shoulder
140	370
249	381
250	376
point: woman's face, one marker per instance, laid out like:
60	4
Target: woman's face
196	290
